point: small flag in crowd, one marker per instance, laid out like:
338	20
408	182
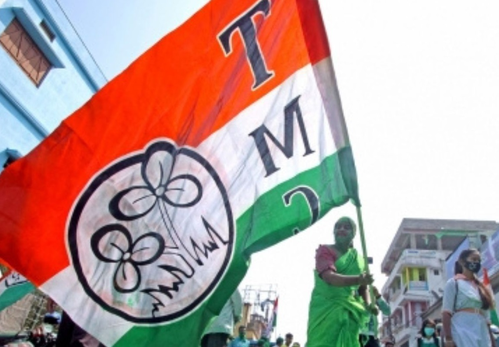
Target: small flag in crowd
223	139
272	323
13	287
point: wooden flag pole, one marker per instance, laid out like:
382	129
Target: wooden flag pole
364	250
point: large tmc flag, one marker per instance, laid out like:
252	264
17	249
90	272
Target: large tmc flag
139	213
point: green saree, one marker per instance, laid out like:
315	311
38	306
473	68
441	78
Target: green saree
336	315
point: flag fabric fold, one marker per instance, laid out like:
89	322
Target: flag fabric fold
223	139
272	323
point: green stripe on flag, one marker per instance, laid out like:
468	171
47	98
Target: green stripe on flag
15	293
261	229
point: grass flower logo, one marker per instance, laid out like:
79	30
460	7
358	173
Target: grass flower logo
129	254
152	234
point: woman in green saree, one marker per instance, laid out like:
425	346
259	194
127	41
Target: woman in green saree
336	313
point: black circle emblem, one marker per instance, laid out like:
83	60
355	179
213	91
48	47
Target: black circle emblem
152	234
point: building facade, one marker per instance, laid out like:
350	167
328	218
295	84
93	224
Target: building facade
417	265
47	73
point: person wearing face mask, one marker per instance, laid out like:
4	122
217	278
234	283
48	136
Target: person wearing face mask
466	304
336	313
429	336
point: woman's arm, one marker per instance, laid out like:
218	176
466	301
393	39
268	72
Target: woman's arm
337	280
446	330
383	306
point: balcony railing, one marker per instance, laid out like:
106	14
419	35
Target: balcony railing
418	286
414	290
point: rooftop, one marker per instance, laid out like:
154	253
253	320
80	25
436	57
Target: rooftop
451	232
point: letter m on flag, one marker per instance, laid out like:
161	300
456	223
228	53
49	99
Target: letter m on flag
139	213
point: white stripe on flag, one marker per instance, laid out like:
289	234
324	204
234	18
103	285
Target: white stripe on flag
230	146
79	306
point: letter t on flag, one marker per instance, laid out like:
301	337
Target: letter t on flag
140	212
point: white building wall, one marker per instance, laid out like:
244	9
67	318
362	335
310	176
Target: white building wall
428	291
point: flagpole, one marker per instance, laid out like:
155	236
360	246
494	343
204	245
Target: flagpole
364	249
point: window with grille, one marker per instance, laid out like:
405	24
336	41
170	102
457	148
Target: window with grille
17	42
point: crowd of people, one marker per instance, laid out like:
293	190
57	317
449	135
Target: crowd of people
344	306
341	313
242	341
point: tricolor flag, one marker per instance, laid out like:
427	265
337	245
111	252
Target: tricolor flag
272	323
13	287
139	213
493	310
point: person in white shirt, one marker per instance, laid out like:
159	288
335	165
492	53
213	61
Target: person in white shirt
466	305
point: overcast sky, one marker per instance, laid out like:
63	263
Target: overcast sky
419	83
